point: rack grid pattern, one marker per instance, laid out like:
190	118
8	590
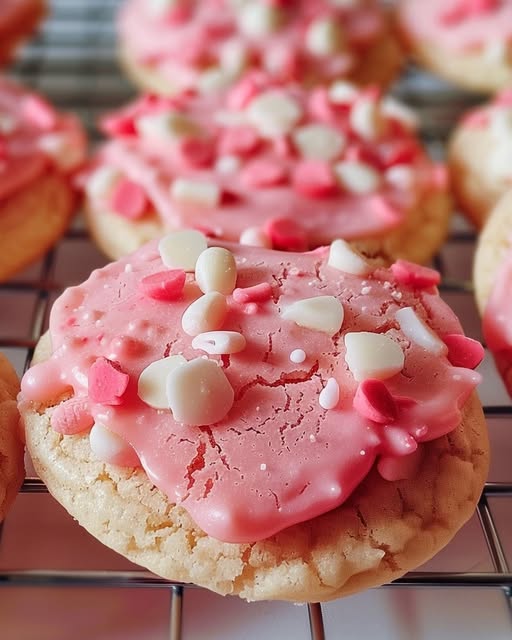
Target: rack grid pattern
72	60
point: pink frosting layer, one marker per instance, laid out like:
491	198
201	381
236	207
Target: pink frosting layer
278	457
319	216
185	42
34	137
496	321
458	25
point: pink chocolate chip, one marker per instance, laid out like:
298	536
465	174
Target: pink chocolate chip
264	173
258	293
315	179
39	112
164	285
374	402
118	124
128	199
107	382
385	209
413	275
286	234
464	351
72	416
242	141
196	153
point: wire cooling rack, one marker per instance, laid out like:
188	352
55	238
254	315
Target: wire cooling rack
72	61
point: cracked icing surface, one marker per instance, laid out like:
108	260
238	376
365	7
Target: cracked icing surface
480	157
161	46
277	458
11	447
264	185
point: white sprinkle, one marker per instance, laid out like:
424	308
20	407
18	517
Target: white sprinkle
263	466
330	395
366	290
312	438
397	295
298	356
362	452
387	285
128	268
457	377
227	164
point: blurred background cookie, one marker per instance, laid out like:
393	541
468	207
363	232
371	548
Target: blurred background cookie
18	20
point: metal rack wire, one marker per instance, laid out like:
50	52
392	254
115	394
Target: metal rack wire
73	62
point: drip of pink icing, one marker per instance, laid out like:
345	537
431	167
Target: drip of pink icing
27	123
181	50
496	321
306	193
277	458
473	28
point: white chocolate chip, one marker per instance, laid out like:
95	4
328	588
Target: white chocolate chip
255	237
214	79
195	192
298	356
366	119
401	176
225	118
220	342
323	313
345	258
102	181
415	329
398	111
152	381
257	19
324	37
105	444
496	52
227	164
319	142
234	57
342	92
373	355
166	125
181	249
273	113
216	271
357	177
199	393
207	313
330	395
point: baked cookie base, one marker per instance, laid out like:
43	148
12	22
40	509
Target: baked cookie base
32	220
417	240
11	447
380	65
27	19
384	530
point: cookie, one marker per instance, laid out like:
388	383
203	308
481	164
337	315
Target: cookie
18	19
11	446
492	278
269	164
171	46
39	149
267	424
468	43
480	157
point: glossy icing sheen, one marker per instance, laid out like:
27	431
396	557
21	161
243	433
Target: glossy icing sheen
458	25
199	36
496	320
271	179
294	442
33	138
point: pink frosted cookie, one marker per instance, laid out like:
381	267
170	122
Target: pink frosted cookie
480	157
11	445
468	42
39	149
271	165
274	425
168	46
18	19
493	285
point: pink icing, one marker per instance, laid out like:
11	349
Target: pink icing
273	187
458	25
496	321
181	49
278	457
27	125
